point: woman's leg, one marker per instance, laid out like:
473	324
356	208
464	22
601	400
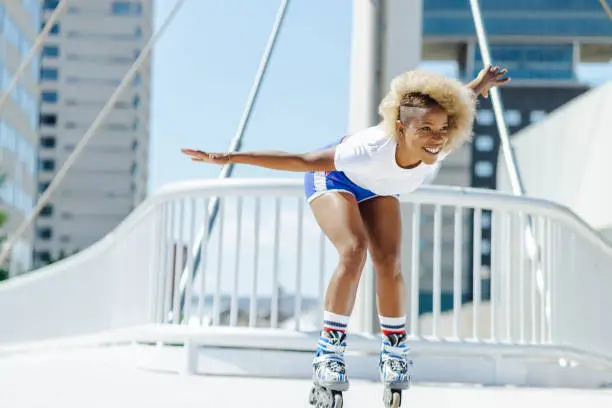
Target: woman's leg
382	219
338	216
383	222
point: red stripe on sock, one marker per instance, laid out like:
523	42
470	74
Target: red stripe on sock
327	328
386	332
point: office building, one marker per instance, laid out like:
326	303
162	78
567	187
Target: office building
541	43
88	52
19	22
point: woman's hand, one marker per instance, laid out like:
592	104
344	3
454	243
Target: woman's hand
489	77
200	156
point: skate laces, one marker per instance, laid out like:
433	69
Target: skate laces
395	352
331	349
334	365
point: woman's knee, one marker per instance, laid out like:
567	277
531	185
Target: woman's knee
386	262
352	255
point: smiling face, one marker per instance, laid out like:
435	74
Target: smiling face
423	130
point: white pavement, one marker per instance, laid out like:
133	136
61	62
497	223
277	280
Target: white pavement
109	377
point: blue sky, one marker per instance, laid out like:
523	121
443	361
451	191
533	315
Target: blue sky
204	67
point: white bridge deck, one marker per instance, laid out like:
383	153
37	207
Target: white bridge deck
110	377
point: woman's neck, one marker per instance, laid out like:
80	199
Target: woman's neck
405	157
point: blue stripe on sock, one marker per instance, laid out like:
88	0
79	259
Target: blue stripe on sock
392	327
334	324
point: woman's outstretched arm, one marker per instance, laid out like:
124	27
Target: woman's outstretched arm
318	160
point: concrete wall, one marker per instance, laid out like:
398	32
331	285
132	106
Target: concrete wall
566	158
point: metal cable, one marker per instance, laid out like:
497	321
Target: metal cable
90	132
606	8
498	109
533	248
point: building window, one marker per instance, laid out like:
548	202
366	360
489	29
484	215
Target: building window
483	169
48	119
50	4
126	8
55	29
485	117
51	51
536	116
484	143
43	256
49	96
47	210
117	127
43	185
47	165
136	101
50	74
513	117
47	142
44	233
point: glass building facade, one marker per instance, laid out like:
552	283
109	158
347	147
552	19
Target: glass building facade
535	39
534	18
541	42
19	25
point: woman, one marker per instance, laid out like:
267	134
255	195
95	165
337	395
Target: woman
424	117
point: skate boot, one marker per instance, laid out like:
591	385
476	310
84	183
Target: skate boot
394	366
329	374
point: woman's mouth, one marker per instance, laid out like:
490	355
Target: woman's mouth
433	150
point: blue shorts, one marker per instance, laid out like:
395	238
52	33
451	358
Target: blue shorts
317	183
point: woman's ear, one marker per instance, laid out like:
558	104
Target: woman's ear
399	128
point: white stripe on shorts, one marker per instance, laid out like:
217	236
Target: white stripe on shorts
320	181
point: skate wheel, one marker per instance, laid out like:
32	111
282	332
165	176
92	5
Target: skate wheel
337	399
392	398
320	397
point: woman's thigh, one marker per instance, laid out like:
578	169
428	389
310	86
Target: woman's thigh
383	222
338	215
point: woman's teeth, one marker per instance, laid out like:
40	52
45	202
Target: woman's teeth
433	150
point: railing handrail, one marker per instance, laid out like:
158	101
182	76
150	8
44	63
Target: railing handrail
442	195
467	197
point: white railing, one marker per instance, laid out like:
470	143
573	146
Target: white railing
266	265
270	240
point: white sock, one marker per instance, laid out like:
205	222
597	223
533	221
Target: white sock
392	324
333	321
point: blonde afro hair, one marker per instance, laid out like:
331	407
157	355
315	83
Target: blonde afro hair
455	98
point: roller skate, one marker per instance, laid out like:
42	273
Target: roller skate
329	374
394	368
